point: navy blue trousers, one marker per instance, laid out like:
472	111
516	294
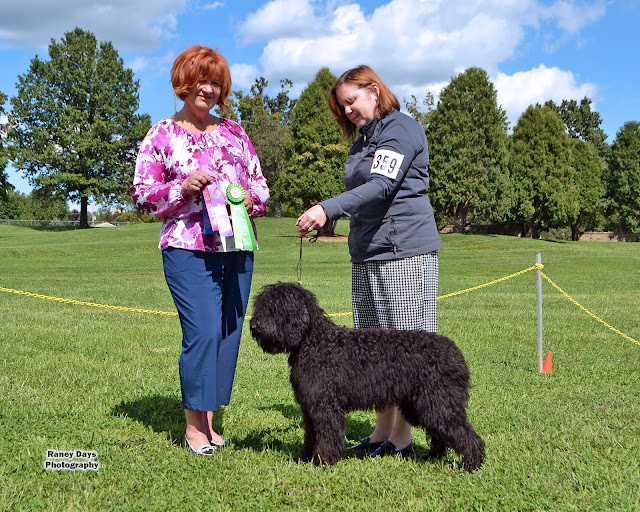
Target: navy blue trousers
211	293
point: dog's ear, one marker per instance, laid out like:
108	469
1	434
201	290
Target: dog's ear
294	313
281	317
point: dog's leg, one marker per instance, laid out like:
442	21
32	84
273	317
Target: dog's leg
329	429
446	422
427	412
309	438
438	446
466	442
470	446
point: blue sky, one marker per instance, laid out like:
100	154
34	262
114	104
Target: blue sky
533	50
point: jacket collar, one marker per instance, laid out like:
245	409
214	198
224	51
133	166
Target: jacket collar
368	129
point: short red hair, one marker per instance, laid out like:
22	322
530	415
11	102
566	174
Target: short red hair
200	63
362	76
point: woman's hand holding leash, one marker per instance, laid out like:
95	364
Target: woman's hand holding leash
314	218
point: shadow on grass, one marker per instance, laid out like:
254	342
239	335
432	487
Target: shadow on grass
356	429
55	228
163	414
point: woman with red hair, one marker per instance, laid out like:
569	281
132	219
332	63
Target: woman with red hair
208	269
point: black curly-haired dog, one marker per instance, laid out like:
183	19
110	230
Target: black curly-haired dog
335	370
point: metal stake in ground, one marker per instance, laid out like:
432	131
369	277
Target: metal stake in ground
539	282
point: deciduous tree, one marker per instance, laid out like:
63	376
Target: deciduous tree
74	122
582	123
420	113
4	184
33	207
266	121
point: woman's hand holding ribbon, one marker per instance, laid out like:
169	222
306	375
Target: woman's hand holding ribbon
195	182
248	204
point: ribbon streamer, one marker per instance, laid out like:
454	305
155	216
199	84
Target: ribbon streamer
214	209
242	229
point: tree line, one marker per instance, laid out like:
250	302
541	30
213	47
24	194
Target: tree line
74	131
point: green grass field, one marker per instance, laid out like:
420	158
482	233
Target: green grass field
78	377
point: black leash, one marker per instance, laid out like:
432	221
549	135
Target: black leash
312	240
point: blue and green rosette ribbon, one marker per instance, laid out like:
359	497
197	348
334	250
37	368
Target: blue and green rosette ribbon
242	229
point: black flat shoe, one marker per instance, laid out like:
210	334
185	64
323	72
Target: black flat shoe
388	448
365	444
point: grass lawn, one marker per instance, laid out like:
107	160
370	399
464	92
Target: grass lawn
78	377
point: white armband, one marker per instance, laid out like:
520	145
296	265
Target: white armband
387	163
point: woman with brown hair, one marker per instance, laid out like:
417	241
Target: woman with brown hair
393	238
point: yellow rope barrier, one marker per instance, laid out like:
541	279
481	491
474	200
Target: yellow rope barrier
571	299
83	303
496	281
534	267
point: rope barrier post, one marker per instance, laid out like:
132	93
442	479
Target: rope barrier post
539	282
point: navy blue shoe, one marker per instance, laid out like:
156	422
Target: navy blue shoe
365	444
388	448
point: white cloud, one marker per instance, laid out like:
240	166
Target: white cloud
413	42
129	24
518	91
152	65
213	6
243	75
417	46
572	17
280	18
139	64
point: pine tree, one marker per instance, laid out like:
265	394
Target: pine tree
467	137
589	170
623	185
74	122
318	152
543	178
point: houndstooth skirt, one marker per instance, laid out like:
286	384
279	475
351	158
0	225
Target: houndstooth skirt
396	294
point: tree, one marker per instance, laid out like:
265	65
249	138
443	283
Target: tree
467	137
317	153
588	178
420	114
266	121
33	207
282	104
269	138
74	123
543	178
4	184
623	187
582	123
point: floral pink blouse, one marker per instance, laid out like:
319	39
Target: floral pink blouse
168	154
